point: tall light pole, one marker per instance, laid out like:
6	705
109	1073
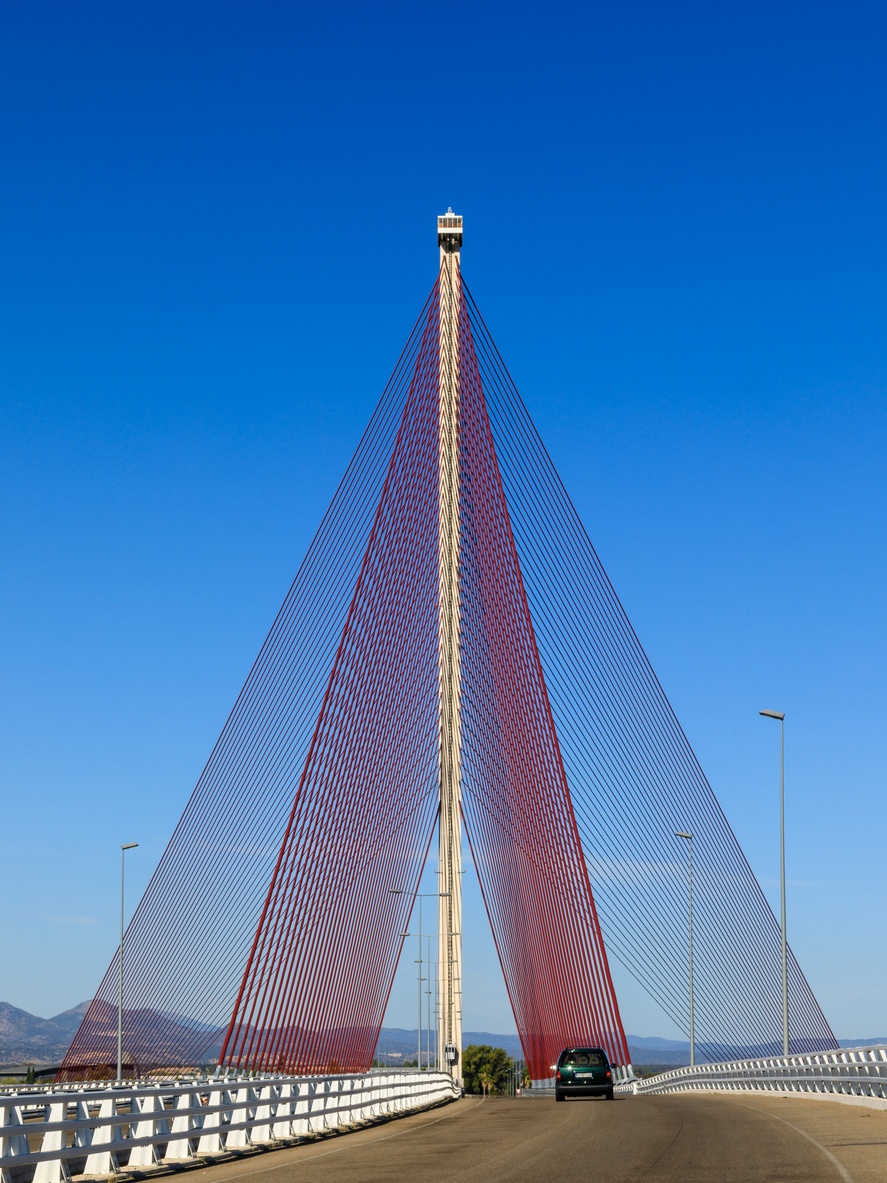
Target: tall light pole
428	991
689	840
419	982
123	849
780	715
424	895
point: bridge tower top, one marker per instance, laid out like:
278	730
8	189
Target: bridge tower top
449	238
449	233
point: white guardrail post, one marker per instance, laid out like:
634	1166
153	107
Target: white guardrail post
49	1133
849	1072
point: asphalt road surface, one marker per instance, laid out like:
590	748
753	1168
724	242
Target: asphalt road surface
684	1138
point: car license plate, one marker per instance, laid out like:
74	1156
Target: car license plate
583	1075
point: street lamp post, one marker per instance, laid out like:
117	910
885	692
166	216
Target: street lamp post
419	982
123	849
432	966
420	896
780	716
689	841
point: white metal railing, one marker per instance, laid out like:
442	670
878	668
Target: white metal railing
856	1071
49	1134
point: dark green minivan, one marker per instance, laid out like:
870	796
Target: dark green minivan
583	1072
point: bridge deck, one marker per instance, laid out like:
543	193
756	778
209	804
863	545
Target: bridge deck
684	1138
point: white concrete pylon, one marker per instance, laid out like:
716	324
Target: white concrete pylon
282	1125
54	1170
449	238
11	1120
265	1109
243	1110
212	1140
185	1123
301	1108
102	1160
151	1123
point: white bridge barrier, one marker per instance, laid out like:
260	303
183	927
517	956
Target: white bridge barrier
49	1134
854	1072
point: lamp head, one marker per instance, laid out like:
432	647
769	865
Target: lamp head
129	846
683	834
780	715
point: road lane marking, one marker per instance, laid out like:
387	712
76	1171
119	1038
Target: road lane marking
836	1163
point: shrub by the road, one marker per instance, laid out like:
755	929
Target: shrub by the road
485	1068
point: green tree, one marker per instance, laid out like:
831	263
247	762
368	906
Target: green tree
483	1065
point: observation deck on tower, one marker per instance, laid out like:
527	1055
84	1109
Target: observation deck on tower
449	231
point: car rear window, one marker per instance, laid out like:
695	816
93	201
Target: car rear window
584	1060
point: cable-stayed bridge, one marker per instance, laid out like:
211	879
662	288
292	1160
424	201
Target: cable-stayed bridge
450	659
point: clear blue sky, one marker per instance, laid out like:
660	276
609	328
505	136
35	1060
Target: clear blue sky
217	230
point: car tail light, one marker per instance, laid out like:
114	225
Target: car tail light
557	1074
609	1074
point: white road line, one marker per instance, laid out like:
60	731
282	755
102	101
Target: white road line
839	1166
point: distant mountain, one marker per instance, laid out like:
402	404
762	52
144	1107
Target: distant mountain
27	1039
651	1050
648	1051
397	1044
655	1043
